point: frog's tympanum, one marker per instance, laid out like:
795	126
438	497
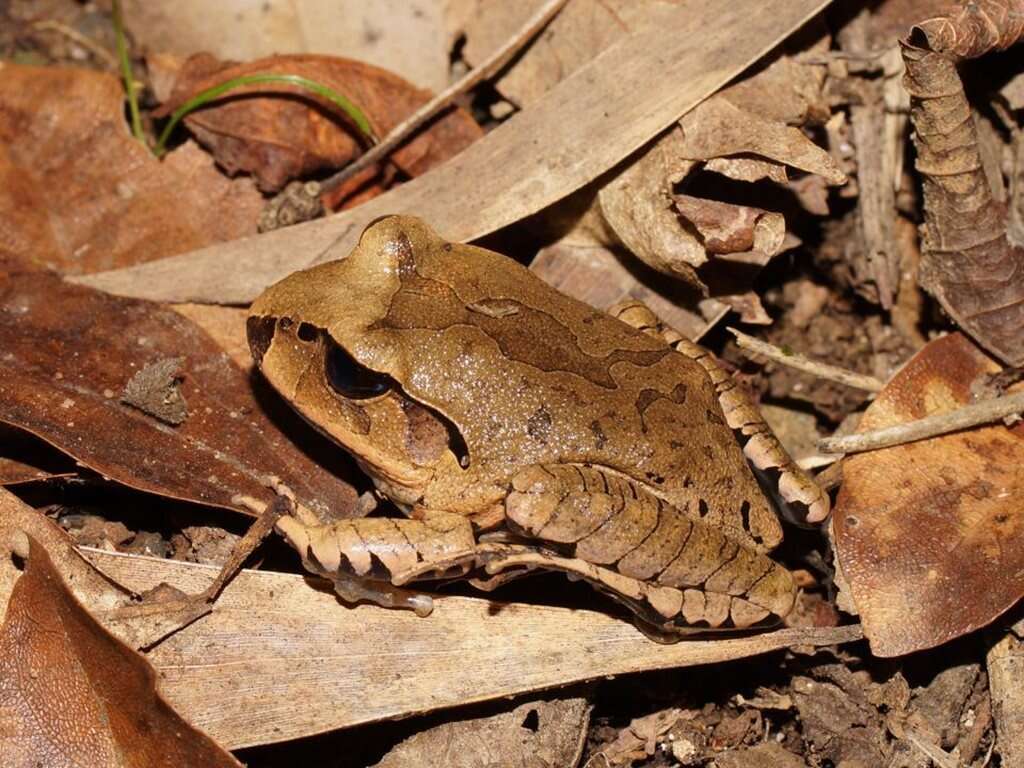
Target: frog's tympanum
517	429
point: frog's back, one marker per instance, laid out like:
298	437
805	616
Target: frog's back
530	375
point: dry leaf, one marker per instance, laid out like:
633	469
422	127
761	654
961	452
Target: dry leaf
271	636
408	37
581	30
549	733
767	755
25	459
639	739
71	692
968	261
78	194
597	275
747	133
279	139
930	535
226	326
69	354
537	157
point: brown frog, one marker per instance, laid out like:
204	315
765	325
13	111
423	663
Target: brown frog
518	428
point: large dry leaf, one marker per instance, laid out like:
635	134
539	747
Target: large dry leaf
569	137
537	733
71	694
244	673
408	37
279	139
273	638
580	31
69	354
747	132
79	194
930	535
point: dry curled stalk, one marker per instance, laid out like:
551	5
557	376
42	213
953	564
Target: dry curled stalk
968	263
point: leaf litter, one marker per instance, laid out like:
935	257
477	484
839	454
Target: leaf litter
788	198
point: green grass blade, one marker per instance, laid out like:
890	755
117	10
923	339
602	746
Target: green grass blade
126	72
216	91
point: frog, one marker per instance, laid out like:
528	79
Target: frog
515	430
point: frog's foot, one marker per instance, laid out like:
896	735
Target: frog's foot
664	563
760	445
368	558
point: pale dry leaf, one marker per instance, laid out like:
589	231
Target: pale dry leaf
637	205
581	30
929	534
719	128
408	37
543	732
509	173
271	636
746	132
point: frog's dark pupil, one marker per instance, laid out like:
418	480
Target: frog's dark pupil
350	379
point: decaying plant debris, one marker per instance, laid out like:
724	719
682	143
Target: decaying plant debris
826	196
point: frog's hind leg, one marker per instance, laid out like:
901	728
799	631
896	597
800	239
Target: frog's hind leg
760	445
370	558
672	568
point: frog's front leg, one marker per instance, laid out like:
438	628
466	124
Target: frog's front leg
368	558
669	565
760	445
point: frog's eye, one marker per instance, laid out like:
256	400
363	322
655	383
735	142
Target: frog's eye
350	379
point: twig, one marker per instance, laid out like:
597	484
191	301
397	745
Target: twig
801	363
74	35
936	754
983	412
479	73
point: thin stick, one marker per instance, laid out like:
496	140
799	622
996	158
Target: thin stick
74	35
801	363
983	412
479	73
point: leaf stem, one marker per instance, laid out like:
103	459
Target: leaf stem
216	91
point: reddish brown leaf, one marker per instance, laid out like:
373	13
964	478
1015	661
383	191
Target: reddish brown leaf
279	139
71	351
78	194
71	694
930	535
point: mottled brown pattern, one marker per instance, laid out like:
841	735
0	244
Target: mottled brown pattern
529	378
